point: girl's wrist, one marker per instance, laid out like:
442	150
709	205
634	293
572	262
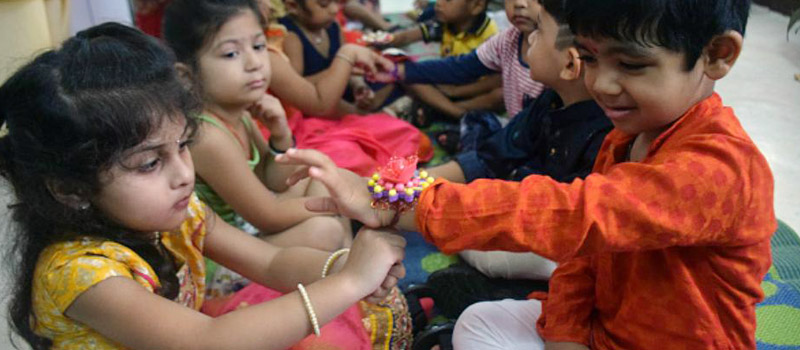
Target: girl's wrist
280	144
348	53
339	263
349	284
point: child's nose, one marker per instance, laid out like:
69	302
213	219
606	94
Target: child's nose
605	83
183	172
253	61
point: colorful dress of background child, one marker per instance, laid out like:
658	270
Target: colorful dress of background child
356	142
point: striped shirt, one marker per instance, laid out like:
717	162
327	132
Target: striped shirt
502	53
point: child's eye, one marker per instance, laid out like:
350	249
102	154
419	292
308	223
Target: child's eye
587	59
150	166
632	66
185	144
259	47
231	54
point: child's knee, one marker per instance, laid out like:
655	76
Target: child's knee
328	233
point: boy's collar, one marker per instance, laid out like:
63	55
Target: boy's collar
481	23
693	115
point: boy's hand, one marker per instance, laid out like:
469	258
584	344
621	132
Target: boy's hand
270	112
386	77
349	194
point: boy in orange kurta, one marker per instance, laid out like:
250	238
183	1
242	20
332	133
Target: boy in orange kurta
666	243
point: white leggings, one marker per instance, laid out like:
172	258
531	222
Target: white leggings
499	325
508	265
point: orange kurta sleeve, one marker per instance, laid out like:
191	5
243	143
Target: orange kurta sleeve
713	190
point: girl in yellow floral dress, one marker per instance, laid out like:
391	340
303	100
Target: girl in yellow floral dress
111	239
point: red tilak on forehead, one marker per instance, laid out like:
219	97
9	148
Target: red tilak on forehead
589	45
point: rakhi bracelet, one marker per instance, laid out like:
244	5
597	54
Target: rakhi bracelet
309	308
398	185
332	260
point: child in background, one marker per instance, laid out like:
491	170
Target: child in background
558	135
111	238
503	53
356	142
460	27
221	49
665	243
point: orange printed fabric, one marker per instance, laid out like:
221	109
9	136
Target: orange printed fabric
666	252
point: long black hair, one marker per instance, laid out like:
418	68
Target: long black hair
70	115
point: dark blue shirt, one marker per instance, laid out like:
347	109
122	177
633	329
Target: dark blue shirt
313	61
545	139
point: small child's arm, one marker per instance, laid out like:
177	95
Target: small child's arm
481	86
355	10
406	37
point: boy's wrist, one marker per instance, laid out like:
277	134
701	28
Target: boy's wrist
400	75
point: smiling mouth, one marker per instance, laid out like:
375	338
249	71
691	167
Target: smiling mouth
617	112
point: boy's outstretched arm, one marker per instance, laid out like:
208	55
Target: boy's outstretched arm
703	195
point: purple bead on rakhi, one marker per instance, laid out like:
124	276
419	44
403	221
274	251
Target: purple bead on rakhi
377	195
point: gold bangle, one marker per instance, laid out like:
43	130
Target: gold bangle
309	308
346	59
332	260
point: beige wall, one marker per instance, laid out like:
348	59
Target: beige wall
28	27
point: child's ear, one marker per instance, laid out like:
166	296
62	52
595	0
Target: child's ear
572	69
184	75
721	53
67	194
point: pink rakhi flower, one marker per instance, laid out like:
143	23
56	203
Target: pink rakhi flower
399	170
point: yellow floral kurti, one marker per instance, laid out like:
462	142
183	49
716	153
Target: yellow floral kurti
67	269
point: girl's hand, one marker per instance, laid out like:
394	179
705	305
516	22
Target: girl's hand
270	112
366	61
374	263
349	194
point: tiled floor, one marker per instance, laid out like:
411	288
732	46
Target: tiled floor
761	88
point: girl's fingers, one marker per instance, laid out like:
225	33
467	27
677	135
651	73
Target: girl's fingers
389	282
296	176
398	270
322	205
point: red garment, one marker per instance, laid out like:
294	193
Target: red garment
664	253
149	18
359	143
